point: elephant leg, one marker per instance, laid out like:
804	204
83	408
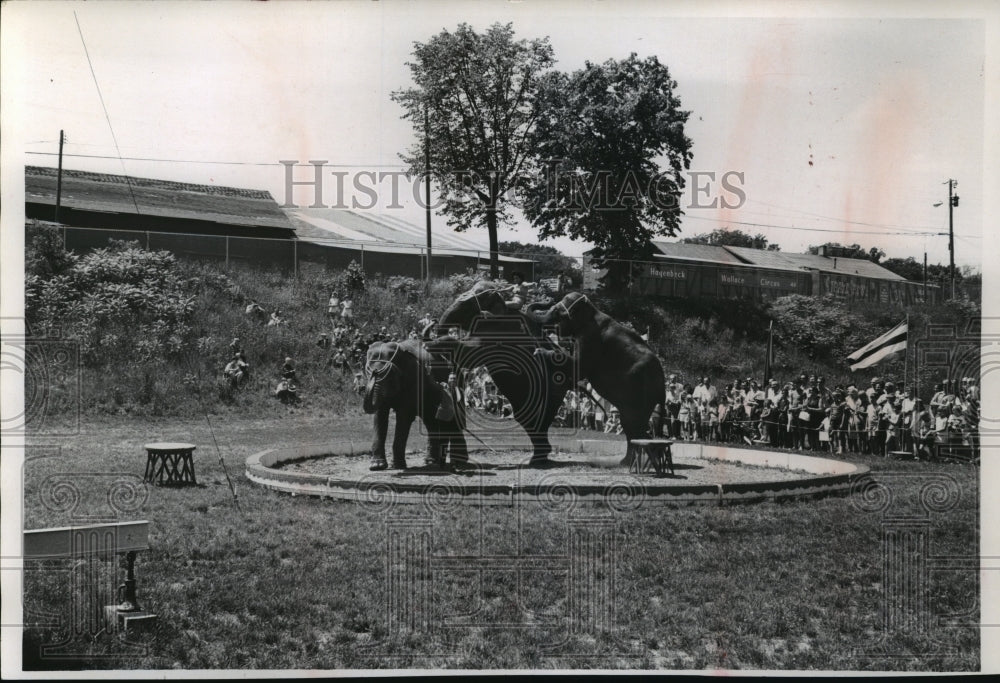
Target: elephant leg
381	427
403	424
435	450
458	450
540	446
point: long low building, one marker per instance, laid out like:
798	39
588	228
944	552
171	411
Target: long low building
238	225
721	272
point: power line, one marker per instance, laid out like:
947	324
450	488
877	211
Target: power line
202	161
106	115
792	227
838	220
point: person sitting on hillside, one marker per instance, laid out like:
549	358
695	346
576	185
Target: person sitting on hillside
235	371
287	391
255	311
324	341
276	319
288	370
235	346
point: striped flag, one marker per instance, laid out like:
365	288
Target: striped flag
876	351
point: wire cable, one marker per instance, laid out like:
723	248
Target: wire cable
106	115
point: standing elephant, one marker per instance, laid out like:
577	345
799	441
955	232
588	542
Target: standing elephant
527	367
400	379
617	362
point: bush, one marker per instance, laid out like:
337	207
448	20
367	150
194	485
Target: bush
117	302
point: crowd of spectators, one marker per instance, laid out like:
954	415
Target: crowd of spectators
805	414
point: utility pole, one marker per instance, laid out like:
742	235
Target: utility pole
427	186
952	203
59	178
925	271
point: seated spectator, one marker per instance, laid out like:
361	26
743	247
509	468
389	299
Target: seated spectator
288	370
235	371
324	341
286	391
276	319
255	311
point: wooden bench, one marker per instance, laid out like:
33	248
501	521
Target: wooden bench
170	463
652	454
103	541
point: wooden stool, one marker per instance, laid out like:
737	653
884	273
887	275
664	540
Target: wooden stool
652	454
170	464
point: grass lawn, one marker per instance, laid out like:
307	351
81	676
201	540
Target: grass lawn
296	582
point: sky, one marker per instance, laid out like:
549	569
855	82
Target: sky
842	127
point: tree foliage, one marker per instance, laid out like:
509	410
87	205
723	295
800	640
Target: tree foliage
478	94
612	139
853	251
726	237
549	261
119	302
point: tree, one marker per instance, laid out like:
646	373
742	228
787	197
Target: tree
549	261
732	238
603	134
477	92
854	251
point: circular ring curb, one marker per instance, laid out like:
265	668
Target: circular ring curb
825	476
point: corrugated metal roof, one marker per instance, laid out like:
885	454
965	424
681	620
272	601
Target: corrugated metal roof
697	252
110	193
841	266
350	230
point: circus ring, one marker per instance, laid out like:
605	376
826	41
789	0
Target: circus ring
588	471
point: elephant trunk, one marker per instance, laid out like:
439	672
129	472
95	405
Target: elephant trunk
372	396
544	316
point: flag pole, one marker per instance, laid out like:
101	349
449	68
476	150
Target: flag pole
906	352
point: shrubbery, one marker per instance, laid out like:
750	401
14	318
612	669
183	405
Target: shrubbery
115	302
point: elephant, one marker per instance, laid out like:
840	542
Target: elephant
400	379
528	368
613	358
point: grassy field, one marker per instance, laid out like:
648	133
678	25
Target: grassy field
294	582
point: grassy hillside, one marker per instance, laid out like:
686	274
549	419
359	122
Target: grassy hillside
153	332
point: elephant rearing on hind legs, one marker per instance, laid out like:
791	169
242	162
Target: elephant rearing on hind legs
617	362
530	370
